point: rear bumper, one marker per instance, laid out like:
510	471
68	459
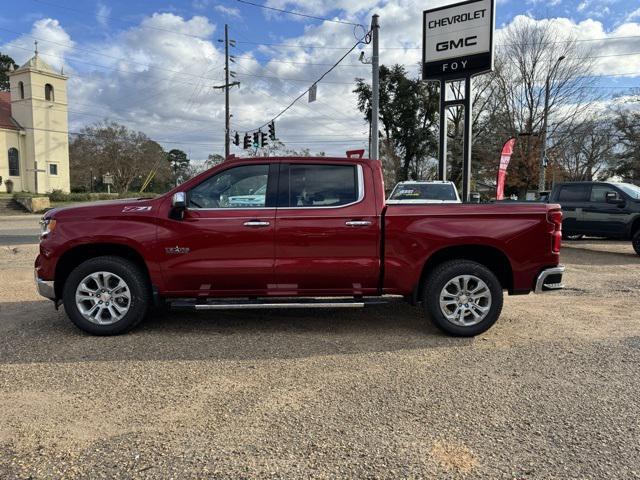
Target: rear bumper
45	287
550	279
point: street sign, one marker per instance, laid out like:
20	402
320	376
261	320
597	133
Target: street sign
457	40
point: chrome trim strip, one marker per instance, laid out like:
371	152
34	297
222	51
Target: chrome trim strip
540	285
262	306
358	200
45	287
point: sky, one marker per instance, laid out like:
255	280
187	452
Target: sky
151	65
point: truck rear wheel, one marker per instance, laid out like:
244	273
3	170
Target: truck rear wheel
462	298
636	242
106	295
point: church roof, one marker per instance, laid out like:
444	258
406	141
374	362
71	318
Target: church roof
6	121
36	63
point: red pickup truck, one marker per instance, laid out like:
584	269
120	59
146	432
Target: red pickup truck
293	233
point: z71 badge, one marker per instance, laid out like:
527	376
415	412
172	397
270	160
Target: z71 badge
176	250
133	208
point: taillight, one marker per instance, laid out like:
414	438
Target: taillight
555	218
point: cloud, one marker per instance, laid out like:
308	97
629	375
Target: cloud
228	11
633	15
157	76
53	43
103	13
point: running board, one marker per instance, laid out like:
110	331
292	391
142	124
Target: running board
282	303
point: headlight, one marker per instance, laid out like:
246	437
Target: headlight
47	225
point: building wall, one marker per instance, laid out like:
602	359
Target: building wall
46	125
11	139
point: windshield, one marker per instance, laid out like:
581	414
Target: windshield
632	190
423	191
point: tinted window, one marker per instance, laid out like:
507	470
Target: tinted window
599	193
574	193
421	191
239	187
322	185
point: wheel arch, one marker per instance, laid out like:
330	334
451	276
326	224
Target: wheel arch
635	226
491	257
80	253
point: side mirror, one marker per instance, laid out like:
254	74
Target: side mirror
474	197
612	197
179	204
179	200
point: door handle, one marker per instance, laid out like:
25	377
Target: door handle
256	223
358	223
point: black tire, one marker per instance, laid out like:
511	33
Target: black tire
636	242
130	273
441	276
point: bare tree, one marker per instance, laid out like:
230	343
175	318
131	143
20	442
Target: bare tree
585	153
627	125
532	54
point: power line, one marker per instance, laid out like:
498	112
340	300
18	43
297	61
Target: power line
341	113
365	39
359	65
299	14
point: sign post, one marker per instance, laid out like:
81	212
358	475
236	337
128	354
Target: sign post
457	44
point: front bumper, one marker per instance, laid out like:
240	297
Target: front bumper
550	279
45	287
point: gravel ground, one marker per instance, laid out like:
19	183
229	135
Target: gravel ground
550	391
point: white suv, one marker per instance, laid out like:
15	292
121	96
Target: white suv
436	191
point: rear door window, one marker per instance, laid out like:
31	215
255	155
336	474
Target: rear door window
322	185
574	193
599	193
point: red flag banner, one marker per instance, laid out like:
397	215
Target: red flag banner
505	157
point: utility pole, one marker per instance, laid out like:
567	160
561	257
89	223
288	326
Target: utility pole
226	91
375	89
227	73
543	148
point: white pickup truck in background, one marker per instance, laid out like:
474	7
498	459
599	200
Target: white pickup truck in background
436	191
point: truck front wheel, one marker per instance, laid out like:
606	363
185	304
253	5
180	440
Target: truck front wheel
636	242
462	297
106	295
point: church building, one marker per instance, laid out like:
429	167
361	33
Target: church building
34	141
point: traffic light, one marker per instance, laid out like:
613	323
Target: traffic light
272	131
247	141
236	139
263	139
256	139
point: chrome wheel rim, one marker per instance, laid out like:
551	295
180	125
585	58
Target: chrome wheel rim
465	300
103	298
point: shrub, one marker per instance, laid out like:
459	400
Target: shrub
60	196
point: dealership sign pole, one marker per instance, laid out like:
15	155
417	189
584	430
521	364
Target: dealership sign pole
457	44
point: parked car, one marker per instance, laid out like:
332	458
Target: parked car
600	209
424	192
322	237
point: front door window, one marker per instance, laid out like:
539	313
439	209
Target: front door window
239	187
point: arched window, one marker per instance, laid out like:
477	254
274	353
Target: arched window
21	87
48	93
14	162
